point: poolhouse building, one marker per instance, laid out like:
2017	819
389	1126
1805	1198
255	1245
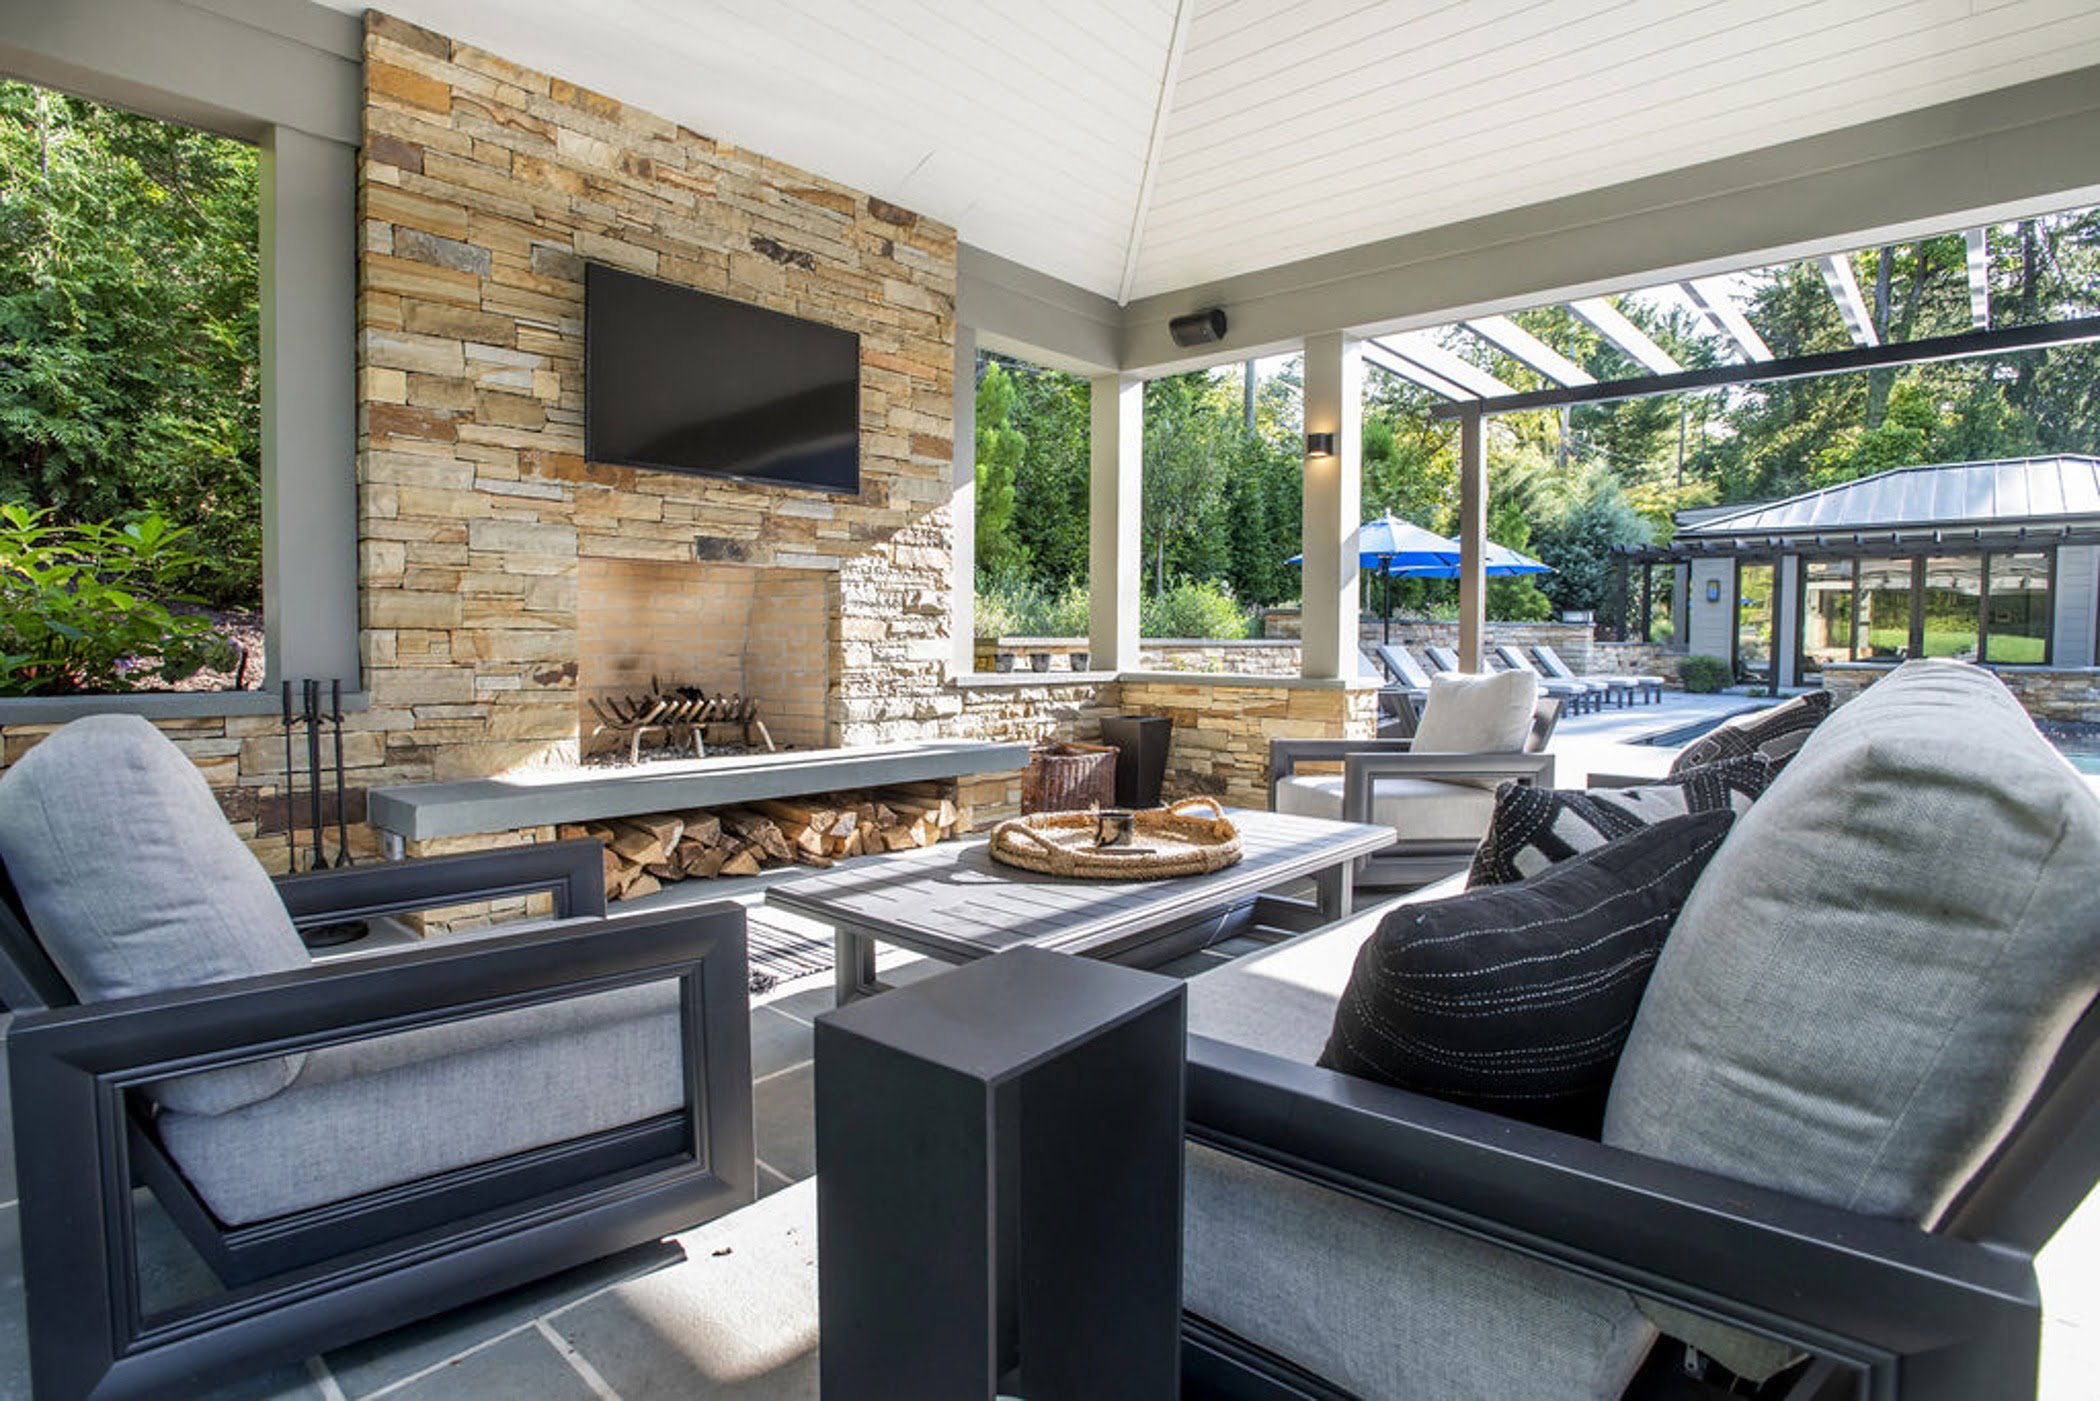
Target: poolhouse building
1987	561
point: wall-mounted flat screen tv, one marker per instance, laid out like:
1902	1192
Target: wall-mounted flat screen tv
686	382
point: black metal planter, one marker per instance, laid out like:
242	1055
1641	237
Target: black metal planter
1141	760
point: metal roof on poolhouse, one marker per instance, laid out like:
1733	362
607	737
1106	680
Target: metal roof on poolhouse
2052	491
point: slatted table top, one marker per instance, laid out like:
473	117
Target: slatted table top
952	900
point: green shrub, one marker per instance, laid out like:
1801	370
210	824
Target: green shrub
1191	609
1705	675
1010	607
84	608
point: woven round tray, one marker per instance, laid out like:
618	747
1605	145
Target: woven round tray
1174	841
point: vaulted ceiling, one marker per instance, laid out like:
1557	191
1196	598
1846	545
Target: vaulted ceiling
1139	146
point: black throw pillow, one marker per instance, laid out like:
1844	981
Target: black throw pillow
1518	998
1775	732
1534	827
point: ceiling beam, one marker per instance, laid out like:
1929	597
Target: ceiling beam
1422	348
1513	340
1978	240
1609	322
1379	357
1844	290
1711	295
1184	11
1965	345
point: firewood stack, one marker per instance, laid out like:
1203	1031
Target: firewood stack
643	854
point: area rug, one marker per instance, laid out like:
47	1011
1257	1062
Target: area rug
781	956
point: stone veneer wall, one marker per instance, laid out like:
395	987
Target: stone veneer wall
484	189
2071	694
1222	728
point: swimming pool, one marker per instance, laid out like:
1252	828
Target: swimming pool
2077	741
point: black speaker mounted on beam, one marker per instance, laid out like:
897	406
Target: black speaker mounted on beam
1198	327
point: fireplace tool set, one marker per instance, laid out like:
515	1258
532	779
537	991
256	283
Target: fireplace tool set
309	715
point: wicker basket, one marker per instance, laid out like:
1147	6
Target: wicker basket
1068	777
1173	841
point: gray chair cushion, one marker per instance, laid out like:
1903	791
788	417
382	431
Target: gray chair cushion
1870	978
1388	1306
133	883
1417	809
376	1113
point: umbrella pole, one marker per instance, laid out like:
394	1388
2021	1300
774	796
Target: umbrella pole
1385	567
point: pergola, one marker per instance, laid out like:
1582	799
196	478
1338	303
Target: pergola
1472	395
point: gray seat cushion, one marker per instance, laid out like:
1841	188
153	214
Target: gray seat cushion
1417	809
376	1113
1867	983
134	883
1380	1303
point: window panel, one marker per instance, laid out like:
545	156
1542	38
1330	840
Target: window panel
1826	613
1953	605
2019	608
1884	609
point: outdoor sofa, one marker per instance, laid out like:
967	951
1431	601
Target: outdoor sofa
1861	1091
347	1144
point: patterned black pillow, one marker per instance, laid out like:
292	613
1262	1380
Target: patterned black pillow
1517	998
1775	732
1535	827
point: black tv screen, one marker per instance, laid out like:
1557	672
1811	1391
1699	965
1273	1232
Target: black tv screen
686	382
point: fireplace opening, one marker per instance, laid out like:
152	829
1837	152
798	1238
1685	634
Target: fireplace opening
677	656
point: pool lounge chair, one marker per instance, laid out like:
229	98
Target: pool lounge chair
1579	694
1648	688
1399	703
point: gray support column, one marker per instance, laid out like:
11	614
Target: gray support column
1116	503
1786	620
309	406
1472	541
1333	505
962	509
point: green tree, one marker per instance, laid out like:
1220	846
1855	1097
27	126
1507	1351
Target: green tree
1189	443
1000	445
129	328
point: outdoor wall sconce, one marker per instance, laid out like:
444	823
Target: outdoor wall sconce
1713	590
1319	445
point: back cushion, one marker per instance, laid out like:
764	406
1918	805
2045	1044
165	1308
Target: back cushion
1469	714
134	883
1870	978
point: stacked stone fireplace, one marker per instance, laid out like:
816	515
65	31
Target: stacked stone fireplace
758	632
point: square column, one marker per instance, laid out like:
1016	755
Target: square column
1116	506
1333	505
1472	541
962	510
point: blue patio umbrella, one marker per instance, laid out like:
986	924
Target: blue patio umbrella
1391	545
1502	562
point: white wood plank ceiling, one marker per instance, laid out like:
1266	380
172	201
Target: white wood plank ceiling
1140	146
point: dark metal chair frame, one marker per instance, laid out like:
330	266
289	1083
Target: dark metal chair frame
1413	861
326	1276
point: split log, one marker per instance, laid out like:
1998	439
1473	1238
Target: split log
743	863
638	844
706	862
643	884
702	826
665	871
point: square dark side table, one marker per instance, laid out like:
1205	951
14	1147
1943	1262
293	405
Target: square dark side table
999	1184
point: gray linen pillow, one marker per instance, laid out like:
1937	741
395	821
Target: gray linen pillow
1871	977
133	883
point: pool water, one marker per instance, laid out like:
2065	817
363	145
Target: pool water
2078	743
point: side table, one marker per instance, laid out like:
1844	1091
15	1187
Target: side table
999	1184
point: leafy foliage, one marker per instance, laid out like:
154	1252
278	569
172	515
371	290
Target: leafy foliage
84	607
1194	609
1705	675
129	328
1000	552
1015	607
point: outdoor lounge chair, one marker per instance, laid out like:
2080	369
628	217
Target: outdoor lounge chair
1399	704
1405	668
1648	688
349	1144
1438	800
1349	1238
1580	694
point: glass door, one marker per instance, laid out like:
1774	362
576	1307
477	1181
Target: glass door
1753	622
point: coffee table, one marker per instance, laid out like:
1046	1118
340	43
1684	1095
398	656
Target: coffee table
952	902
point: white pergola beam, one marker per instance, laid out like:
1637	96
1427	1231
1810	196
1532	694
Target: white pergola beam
1609	322
1422	348
1378	357
1844	289
1513	340
1711	295
1979	278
